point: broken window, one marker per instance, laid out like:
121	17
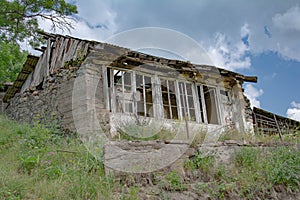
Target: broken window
132	92
169	99
129	92
211	104
208	104
144	100
187	101
120	90
124	92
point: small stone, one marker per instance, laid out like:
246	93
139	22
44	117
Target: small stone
22	99
51	80
55	71
230	142
32	88
35	93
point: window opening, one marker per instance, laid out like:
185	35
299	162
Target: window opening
122	83
169	99
144	95
211	104
187	101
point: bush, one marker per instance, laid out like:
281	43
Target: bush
247	158
257	171
283	167
175	181
199	161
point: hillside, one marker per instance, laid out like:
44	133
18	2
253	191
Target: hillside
41	163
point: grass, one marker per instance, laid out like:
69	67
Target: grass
260	171
199	161
37	162
252	173
287	138
174	182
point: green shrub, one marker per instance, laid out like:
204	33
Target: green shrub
199	161
175	181
247	158
29	163
283	167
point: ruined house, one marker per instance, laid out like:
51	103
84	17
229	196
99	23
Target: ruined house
125	85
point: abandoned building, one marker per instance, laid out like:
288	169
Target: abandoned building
129	85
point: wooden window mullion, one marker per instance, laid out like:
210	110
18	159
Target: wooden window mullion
203	104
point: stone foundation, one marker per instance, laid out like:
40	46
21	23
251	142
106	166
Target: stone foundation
135	156
48	103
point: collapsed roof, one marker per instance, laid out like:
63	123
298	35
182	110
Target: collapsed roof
61	49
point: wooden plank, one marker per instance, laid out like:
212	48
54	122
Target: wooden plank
58	51
133	87
38	72
197	103
59	57
169	99
113	93
220	107
105	87
203	104
278	128
184	110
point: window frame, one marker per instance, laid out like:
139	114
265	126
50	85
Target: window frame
180	87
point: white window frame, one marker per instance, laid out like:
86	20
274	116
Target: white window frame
157	101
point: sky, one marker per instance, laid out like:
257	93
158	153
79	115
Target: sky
256	38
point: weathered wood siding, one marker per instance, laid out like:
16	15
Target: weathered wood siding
56	54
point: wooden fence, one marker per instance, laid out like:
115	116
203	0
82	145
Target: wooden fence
268	123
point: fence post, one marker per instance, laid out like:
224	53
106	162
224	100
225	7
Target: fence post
279	131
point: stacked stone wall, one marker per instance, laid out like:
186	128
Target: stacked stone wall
49	103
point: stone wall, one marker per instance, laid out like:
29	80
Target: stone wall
136	156
49	103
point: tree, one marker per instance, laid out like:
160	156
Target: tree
19	18
19	21
11	60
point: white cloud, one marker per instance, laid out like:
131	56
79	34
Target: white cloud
288	21
275	29
227	54
265	28
252	93
286	29
294	111
245	31
95	21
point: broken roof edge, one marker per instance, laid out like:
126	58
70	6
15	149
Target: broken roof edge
163	60
18	83
54	35
28	67
196	67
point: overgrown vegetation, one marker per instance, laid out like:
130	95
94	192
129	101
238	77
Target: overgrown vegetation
253	172
292	138
11	62
38	163
41	163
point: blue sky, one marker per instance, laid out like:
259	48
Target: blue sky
260	38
